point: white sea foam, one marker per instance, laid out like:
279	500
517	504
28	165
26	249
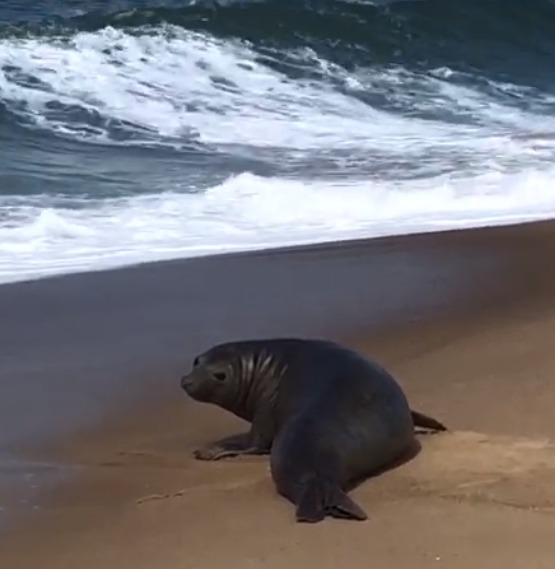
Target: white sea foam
175	83
172	85
250	212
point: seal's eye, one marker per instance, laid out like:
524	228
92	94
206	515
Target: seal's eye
220	375
196	362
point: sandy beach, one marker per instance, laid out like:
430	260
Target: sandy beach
89	390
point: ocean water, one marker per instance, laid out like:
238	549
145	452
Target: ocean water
143	130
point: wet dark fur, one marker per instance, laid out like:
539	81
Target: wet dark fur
327	416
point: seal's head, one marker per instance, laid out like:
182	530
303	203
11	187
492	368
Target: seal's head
235	376
213	377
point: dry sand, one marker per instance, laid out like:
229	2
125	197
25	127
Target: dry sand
482	495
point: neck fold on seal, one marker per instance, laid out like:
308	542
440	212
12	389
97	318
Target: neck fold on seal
258	375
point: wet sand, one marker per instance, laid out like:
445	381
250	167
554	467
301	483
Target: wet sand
465	320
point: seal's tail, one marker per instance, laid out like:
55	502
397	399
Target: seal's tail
321	498
421	420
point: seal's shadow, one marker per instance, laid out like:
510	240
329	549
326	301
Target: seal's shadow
412	453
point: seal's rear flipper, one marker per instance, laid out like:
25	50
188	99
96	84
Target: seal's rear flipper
425	422
321	498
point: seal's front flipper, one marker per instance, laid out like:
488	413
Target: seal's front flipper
321	498
229	447
216	452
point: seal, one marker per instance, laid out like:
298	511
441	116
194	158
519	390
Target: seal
327	416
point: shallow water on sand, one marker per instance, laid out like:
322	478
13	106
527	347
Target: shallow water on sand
23	483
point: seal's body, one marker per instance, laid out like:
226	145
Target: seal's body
327	415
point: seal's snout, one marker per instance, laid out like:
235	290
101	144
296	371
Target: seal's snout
186	382
195	386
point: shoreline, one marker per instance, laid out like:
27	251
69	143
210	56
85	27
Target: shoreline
326	243
94	359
